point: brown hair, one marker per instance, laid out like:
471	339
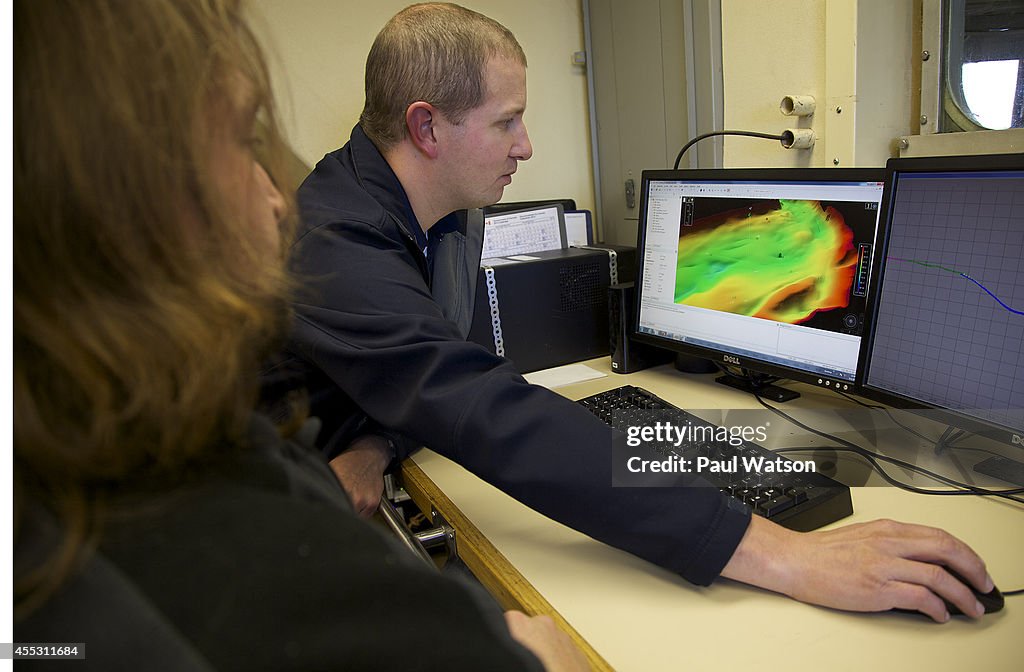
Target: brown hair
141	304
431	52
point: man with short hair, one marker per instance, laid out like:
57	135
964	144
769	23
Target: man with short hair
381	323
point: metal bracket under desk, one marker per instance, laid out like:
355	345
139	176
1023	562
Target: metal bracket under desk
442	534
492	569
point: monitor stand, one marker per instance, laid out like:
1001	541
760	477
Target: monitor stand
770	392
694	364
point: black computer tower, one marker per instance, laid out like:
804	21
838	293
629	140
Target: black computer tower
552	307
628	355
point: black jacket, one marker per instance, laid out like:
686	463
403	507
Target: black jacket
258	563
380	350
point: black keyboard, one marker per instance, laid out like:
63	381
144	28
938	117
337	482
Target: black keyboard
798	501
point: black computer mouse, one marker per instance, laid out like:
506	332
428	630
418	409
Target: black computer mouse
992	600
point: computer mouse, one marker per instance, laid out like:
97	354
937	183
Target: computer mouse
992	600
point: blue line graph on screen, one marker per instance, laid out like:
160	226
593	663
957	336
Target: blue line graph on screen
962	275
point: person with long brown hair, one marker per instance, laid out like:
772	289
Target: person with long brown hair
158	520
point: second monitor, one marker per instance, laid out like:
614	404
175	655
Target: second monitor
946	325
762	269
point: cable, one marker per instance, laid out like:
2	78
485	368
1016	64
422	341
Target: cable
948	438
752	377
871	457
916	433
752	134
857	401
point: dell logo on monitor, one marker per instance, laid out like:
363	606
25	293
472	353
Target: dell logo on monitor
729	359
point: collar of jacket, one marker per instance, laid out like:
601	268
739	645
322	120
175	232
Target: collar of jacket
379	180
453	244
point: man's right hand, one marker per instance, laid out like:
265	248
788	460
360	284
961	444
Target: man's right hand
873	566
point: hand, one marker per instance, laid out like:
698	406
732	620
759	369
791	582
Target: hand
360	469
872	566
543	638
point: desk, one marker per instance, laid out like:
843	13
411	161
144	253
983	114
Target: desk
632	615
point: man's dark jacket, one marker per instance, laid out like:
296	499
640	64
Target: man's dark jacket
381	352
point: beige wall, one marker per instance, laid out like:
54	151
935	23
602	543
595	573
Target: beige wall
769	49
853	55
319	47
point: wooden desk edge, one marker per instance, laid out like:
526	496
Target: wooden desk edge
491	568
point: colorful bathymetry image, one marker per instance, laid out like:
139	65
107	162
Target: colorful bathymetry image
780	260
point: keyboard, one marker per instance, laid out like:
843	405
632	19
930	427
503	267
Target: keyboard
800	501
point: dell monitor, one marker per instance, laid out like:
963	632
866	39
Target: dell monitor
945	329
767	270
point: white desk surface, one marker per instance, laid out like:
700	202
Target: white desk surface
640	617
